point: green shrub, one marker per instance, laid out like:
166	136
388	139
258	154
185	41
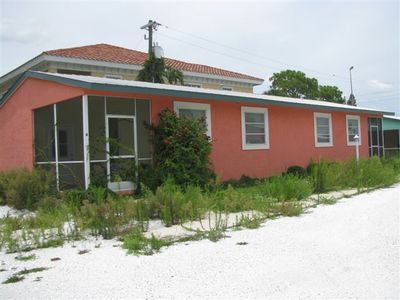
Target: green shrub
244	181
107	218
182	150
374	173
285	187
296	170
24	188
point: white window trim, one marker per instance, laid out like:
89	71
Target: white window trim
322	115
200	106
353	117
263	110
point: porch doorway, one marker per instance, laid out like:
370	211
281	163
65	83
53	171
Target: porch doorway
121	148
375	137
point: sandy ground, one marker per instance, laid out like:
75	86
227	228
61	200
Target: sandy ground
347	250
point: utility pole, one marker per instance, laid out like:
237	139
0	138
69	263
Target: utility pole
150	26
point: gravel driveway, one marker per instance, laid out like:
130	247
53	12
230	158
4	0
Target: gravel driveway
346	250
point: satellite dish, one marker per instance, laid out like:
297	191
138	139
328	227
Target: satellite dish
158	51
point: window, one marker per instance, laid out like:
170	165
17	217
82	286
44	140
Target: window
353	128
192	85
255	128
196	111
113	76
227	88
323	130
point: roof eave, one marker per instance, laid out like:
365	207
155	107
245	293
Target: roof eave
205	94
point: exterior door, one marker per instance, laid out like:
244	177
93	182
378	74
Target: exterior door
121	152
375	137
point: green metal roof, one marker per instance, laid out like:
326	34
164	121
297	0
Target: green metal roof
117	85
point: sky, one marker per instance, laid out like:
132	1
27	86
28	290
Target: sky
323	39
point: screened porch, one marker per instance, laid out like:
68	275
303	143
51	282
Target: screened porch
100	140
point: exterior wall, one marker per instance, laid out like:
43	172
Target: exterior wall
242	89
291	138
291	131
16	119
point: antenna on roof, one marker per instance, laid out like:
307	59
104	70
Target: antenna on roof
150	26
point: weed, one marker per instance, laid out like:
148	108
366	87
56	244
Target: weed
25	258
290	209
13	279
249	222
328	200
28	271
136	243
215	235
80	252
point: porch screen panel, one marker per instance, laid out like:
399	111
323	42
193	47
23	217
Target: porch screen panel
44	134
120	106
70	130
72	175
97	128
143	136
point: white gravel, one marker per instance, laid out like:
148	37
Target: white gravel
347	250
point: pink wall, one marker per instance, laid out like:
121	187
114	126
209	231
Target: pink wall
291	139
16	119
291	131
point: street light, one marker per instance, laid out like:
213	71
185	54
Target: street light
351	82
357	140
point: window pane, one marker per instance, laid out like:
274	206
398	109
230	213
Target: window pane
44	134
192	113
255	139
120	106
254	117
121	136
255	128
322	121
323	139
97	128
122	169
70	130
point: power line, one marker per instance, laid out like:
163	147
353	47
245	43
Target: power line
344	78
258	64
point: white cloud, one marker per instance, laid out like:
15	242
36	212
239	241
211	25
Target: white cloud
22	32
379	84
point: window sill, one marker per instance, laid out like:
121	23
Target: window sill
255	147
323	145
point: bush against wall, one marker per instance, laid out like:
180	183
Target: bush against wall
181	151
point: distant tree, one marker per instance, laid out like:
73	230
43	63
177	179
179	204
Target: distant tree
295	84
331	94
174	76
154	70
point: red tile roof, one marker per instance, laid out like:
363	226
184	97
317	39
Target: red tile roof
115	54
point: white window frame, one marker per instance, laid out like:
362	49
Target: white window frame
263	110
326	144
196	106
353	117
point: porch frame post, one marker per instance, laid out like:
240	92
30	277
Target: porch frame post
55	128
86	152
